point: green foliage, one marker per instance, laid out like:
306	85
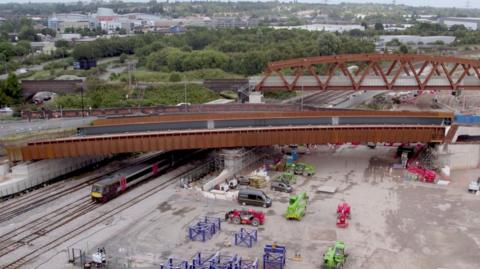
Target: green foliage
28	33
100	95
378	26
7	50
62	44
280	95
394	42
10	91
328	44
86	31
4	99
104	48
48	31
174	94
21	25
200	38
166	59
175	77
153	76
123	58
22	48
239	51
58	64
403	49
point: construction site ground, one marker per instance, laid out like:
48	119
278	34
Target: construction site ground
394	224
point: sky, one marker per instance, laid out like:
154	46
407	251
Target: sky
435	3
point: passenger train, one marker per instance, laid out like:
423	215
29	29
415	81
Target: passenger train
115	184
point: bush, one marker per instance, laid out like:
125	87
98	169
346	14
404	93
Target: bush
58	64
175	77
100	94
123	58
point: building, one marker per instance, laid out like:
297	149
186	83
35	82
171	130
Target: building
60	22
69	37
469	23
232	22
414	40
46	47
324	27
105	18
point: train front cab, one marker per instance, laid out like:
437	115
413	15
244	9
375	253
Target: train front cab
97	193
103	193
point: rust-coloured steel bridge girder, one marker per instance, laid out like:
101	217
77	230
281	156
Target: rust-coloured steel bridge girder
373	72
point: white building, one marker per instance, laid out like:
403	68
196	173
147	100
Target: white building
413	39
324	27
110	26
469	23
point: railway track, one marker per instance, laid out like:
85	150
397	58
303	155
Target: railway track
43	196
41	249
29	204
324	98
29	232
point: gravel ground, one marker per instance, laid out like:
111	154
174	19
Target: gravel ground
394	224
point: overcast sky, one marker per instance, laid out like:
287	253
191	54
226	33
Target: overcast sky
436	3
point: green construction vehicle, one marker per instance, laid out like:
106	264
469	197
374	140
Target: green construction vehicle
304	169
335	257
289	167
286	177
297	206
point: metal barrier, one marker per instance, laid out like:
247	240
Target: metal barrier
246	237
204	229
274	257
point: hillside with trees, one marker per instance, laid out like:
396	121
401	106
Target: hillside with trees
239	51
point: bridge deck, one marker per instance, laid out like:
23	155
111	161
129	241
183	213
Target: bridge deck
241	129
224	138
368	83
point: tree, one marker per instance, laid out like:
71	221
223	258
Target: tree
394	43
62	44
123	58
85	51
48	31
23	47
13	90
175	77
328	44
403	49
7	49
28	33
379	26
4	99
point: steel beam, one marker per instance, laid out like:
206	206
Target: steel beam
224	138
394	65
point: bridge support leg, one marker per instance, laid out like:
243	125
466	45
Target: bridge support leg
255	98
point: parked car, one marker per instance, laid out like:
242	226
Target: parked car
6	111
281	186
245	216
254	197
474	186
242	180
184	104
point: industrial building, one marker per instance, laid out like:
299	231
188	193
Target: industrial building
469	23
